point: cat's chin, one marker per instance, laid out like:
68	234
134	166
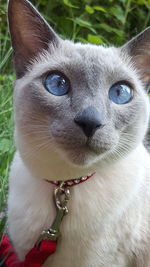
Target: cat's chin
84	157
84	153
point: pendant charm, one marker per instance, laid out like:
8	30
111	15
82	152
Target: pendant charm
61	197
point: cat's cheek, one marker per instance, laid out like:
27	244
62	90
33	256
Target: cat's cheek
105	143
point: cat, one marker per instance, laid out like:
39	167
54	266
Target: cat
80	109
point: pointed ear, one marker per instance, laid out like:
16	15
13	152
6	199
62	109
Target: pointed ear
30	33
139	49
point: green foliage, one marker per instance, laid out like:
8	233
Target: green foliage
111	21
6	140
97	22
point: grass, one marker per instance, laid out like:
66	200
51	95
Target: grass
6	141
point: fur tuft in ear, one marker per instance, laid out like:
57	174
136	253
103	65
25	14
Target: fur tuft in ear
30	33
139	49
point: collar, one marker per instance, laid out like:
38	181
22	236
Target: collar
72	182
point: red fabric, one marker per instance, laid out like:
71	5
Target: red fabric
34	258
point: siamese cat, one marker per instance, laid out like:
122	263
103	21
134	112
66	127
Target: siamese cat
80	109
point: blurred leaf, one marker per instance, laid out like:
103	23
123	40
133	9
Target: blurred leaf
89	9
123	1
118	13
111	29
6	57
5	145
143	2
81	40
69	4
84	23
95	39
66	30
100	8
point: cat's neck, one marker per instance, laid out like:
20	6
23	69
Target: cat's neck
102	205
113	188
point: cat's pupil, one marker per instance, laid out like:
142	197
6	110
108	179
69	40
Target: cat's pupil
118	92
61	82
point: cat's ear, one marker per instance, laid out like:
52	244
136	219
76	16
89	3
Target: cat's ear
139	49
30	33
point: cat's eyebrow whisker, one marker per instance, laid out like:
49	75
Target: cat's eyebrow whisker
124	138
33	128
127	137
123	148
126	141
37	148
35	125
144	51
45	133
36	138
124	135
37	141
120	153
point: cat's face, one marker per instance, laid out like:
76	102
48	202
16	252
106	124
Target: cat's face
84	103
48	120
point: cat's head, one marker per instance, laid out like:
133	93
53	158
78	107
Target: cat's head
76	105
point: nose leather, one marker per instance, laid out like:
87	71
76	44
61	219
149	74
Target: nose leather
89	120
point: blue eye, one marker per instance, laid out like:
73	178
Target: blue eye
57	84
120	93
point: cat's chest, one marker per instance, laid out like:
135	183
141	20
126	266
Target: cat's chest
97	243
94	251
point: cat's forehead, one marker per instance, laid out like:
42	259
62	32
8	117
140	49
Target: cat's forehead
96	53
77	56
83	62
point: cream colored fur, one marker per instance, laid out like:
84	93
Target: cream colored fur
108	220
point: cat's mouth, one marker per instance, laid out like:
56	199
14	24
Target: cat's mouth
90	146
85	155
82	155
87	149
81	151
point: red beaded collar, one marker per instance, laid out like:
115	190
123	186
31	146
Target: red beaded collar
72	182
